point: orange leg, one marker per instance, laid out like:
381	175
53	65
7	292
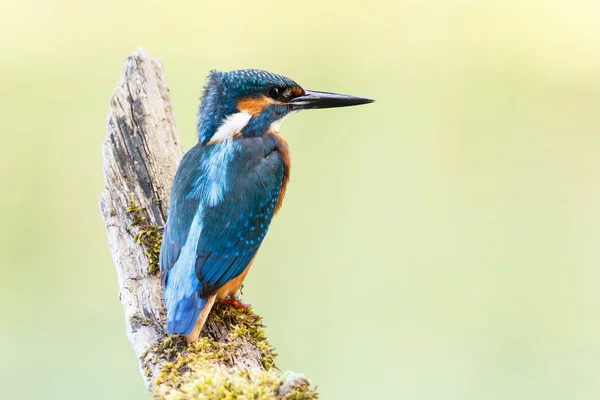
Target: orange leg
235	303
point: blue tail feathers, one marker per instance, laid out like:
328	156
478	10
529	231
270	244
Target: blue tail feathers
182	317
182	295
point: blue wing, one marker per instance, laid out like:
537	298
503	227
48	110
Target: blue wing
221	208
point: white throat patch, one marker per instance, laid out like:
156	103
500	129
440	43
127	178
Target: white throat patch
276	125
231	126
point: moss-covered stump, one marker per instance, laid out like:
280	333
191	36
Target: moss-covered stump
147	235
210	368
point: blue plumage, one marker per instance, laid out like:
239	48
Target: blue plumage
227	189
221	208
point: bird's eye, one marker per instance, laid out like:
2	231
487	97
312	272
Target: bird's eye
274	92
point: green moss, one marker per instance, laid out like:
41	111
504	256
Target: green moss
169	348
216	382
268	355
206	369
148	236
141	320
302	393
200	372
247	325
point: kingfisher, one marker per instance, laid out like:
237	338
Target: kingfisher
227	189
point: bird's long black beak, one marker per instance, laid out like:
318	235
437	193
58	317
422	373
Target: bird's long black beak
315	99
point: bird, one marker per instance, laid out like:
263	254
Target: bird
227	189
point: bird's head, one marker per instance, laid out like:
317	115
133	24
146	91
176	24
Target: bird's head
251	102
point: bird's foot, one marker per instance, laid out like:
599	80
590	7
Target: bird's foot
236	303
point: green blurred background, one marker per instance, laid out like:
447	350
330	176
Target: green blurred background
442	243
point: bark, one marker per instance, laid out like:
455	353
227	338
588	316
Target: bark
141	153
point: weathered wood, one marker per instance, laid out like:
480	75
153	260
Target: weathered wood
141	154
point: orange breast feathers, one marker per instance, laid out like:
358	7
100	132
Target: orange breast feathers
255	106
233	286
284	151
